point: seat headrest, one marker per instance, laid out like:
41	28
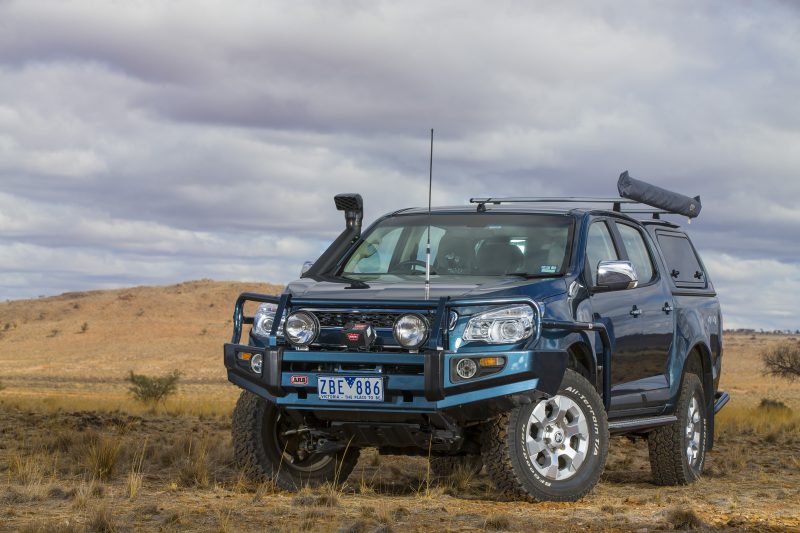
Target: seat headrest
496	258
455	255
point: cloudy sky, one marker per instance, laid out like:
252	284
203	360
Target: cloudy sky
151	142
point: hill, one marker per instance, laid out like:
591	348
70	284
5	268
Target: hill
81	345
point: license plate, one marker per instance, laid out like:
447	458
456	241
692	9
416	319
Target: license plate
350	388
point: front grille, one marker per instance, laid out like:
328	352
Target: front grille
337	319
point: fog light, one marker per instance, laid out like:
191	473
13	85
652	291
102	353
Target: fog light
256	363
466	368
491	361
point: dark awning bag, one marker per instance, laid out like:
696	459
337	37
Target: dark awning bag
653	196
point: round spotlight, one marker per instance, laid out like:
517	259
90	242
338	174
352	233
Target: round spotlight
301	328
410	331
466	369
256	363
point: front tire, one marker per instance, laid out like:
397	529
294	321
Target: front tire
266	449
678	451
551	450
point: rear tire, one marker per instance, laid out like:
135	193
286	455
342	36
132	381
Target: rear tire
447	465
678	451
551	450
263	451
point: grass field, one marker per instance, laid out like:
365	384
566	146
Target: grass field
77	454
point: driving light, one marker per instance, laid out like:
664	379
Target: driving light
410	331
466	368
263	320
256	363
502	326
301	328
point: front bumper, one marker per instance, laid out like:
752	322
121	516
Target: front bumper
418	388
415	384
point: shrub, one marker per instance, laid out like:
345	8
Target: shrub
153	390
782	361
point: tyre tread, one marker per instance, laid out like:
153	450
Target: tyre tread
497	448
249	455
665	444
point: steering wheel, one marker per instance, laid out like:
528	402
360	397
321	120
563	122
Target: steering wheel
411	264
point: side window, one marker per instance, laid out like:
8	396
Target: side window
684	267
600	247
637	252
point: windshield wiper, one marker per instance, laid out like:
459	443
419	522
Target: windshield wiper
527	275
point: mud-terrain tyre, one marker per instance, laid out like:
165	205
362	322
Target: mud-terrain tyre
678	451
446	465
551	450
263	455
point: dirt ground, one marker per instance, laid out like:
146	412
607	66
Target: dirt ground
77	454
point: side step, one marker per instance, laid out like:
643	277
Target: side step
635	424
720	399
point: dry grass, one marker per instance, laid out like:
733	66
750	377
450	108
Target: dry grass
102	521
766	421
497	522
136	475
102	457
193	466
78	454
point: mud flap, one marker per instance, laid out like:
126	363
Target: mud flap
549	367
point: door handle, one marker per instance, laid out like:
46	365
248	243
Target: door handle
667	308
636	311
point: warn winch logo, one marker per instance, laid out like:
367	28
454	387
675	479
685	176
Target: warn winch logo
299	380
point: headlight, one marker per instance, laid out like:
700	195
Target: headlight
502	326
263	320
301	328
410	331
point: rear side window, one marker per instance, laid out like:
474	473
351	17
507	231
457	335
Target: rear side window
682	262
637	252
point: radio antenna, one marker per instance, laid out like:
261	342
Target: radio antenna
428	249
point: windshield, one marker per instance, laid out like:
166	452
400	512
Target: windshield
465	244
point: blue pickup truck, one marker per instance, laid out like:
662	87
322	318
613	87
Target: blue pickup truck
546	325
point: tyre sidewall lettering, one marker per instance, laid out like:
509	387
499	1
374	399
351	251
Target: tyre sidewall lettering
588	411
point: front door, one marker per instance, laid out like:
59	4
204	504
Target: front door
641	317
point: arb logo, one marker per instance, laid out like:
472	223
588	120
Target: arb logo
299	380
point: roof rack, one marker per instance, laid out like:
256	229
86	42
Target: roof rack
616	203
631	191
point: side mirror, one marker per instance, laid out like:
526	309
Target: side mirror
616	275
306	265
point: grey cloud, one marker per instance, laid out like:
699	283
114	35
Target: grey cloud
152	142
